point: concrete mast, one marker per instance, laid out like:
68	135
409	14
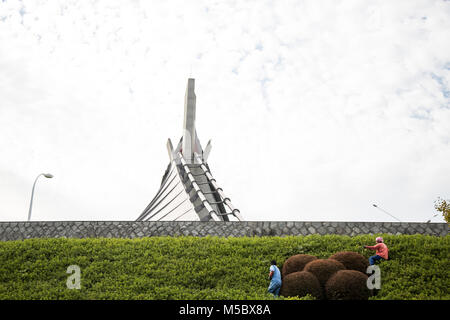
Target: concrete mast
188	162
189	132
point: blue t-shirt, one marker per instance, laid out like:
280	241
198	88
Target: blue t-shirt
276	277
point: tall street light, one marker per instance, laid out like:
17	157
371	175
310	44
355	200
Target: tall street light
47	175
385	212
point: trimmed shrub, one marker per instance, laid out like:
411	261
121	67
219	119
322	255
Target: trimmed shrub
323	269
300	284
347	285
296	263
352	260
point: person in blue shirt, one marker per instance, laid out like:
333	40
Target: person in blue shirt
275	279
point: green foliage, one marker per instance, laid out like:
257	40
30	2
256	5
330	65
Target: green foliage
306	297
206	268
443	206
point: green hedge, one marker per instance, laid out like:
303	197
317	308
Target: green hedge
205	268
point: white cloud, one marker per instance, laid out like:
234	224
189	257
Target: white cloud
316	111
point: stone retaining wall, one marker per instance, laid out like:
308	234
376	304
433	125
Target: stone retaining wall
132	229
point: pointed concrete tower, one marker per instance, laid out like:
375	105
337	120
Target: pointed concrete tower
189	171
189	133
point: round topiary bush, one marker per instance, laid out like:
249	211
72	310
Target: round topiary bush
296	263
300	284
352	260
323	269
347	285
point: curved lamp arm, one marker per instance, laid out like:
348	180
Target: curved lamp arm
47	175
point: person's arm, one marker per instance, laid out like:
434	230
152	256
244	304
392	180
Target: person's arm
271	272
375	247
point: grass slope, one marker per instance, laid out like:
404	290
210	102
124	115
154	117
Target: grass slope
205	268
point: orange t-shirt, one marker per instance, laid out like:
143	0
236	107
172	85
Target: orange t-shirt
381	250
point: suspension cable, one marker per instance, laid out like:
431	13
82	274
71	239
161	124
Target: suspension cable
190	209
172	209
154	206
158	194
164	206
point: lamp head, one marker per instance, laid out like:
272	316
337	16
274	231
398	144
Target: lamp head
48	175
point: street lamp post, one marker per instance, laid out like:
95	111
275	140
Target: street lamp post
385	212
47	175
434	215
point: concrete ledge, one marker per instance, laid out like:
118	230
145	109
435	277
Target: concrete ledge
133	229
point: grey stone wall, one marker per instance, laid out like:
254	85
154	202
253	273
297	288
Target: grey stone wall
132	229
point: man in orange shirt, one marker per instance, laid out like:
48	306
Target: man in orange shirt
381	251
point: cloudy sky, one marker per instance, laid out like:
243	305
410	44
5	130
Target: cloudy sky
316	109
